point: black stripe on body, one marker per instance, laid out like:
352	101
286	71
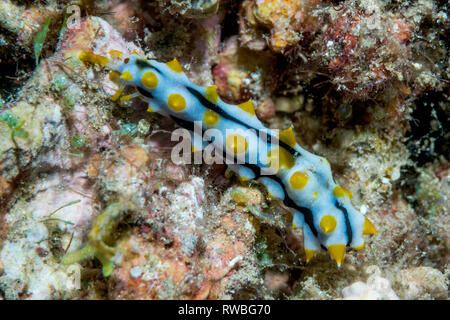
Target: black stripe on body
144	92
347	222
189	125
142	64
211	106
307	213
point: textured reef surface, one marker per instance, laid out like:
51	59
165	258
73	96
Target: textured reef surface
92	207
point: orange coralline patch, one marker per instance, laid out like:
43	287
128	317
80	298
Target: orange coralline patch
135	155
162	273
281	16
340	31
286	20
204	291
227	223
225	256
155	269
92	167
5	186
221	253
226	252
27	20
166	272
401	30
80	38
130	162
276	281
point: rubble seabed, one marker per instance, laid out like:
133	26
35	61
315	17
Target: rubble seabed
78	170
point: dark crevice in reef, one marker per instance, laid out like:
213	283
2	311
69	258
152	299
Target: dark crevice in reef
16	64
332	108
442	4
428	139
230	24
406	185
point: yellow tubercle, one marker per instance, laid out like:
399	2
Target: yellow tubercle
113	75
175	66
360	247
149	80
127	97
288	137
247	107
337	251
117	94
228	174
328	224
115	54
310	254
176	102
348	193
211	118
126	75
211	94
236	143
280	157
369	228
340	192
299	180
243	179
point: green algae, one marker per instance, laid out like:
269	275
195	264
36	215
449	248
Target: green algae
101	238
127	129
62	207
39	39
78	141
261	252
14	125
60	82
